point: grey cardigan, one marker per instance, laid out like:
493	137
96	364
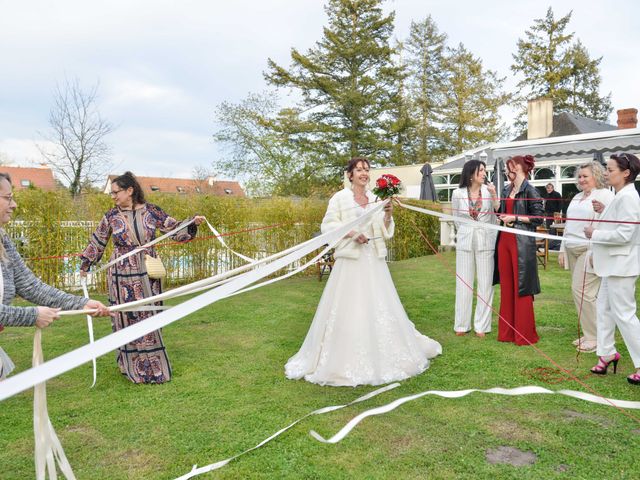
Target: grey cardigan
19	280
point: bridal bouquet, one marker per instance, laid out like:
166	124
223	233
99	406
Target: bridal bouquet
387	186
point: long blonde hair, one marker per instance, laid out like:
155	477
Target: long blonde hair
3	252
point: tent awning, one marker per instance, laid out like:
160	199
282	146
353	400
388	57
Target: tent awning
574	145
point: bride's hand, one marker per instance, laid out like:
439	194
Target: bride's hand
361	238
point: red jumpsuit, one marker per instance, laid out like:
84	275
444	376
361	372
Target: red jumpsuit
517	321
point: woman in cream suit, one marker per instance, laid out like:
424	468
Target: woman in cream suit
574	249
618	264
474	201
360	334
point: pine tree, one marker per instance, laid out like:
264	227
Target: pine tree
424	53
553	67
470	110
583	84
349	84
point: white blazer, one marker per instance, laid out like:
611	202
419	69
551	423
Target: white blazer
623	258
342	209
486	238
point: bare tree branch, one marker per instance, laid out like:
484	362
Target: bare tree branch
77	132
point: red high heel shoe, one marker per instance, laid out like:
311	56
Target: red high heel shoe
634	379
602	366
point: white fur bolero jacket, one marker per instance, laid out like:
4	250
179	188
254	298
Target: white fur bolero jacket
343	209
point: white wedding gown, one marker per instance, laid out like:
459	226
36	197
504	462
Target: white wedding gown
360	334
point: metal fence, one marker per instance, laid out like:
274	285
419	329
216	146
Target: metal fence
185	262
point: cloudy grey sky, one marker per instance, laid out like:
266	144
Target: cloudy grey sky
163	65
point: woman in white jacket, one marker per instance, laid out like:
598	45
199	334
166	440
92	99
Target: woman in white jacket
617	263
360	334
574	249
475	202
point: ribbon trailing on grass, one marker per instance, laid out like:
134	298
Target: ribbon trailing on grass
528	390
215	466
48	448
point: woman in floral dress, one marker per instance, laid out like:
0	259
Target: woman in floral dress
131	223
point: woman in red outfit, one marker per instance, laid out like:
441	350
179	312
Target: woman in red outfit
516	267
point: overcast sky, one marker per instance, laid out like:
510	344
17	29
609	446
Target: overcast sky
163	66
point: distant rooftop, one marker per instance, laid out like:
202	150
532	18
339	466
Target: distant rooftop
566	123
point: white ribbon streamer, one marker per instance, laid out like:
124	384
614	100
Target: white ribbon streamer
48	449
221	240
83	282
195	471
528	390
490	226
73	359
142	247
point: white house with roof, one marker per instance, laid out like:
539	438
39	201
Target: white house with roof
560	143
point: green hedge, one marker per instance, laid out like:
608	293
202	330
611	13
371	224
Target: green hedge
52	224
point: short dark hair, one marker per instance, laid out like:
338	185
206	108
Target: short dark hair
353	163
627	161
6	176
129	180
469	169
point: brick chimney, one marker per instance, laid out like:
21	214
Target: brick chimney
627	118
539	118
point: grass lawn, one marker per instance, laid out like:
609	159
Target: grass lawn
229	392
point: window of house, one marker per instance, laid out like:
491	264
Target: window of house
25	183
568	172
439	179
198	190
444	194
154	188
544	174
228	191
181	189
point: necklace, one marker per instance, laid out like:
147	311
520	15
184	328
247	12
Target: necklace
360	198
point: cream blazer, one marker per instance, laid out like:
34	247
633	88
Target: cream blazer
343	209
486	238
623	258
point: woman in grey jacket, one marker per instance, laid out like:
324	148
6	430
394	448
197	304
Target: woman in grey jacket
17	279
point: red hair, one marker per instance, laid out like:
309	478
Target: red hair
525	161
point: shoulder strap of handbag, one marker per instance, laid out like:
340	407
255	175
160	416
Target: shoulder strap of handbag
133	231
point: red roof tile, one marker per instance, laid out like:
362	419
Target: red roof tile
186	185
24	177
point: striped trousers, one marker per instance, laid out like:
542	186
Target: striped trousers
468	263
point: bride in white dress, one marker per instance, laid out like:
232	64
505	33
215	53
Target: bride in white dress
360	334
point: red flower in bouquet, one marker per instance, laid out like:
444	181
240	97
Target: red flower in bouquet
387	186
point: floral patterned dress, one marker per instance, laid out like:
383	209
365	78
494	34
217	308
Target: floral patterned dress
145	359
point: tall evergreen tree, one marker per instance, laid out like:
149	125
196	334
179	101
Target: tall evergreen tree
424	53
553	67
470	110
583	84
349	84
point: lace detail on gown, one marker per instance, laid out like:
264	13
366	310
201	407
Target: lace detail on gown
360	334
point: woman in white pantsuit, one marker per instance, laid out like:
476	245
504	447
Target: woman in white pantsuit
618	264
574	250
474	201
